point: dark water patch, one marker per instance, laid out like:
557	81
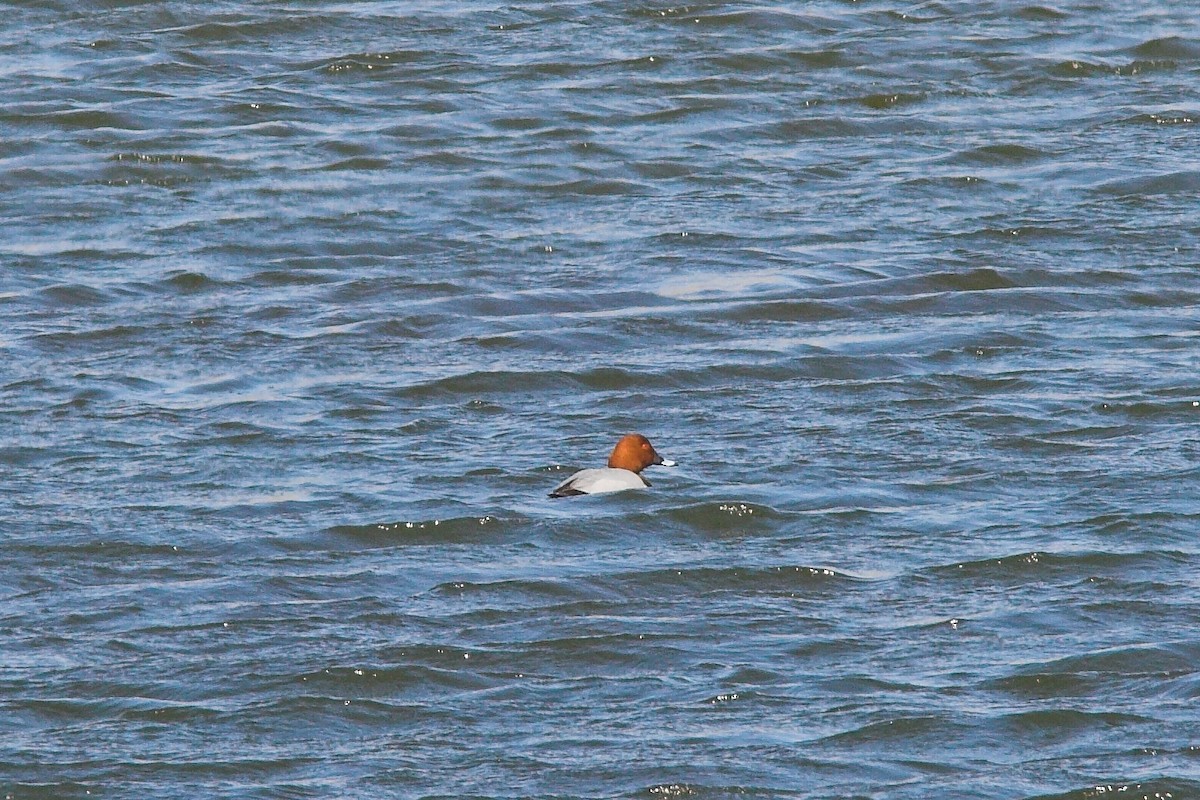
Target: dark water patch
980	279
1018	235
603	379
678	113
68	710
27	456
852	367
216	32
221	386
1152	683
165	159
519	124
1052	685
964	304
426	531
772	21
591	657
1159	788
413	677
80	120
704	791
530	592
340	714
1165	660
1077	68
724	518
1084	436
930	12
787	311
995	155
371	62
753	676
775	58
955	183
86	547
1173	183
1037	566
836	127
866	686
1137	409
259	109
1165	118
817	58
74	295
727	698
50	790
1134	523
186	282
280	313
1179	48
1041	13
359	164
88	397
175	713
1144	66
883	101
584	187
1055	724
804	128
652	64
96	340
664	171
489	384
1162	299
418	132
450	159
977	280
133	177
769	580
910	729
292	276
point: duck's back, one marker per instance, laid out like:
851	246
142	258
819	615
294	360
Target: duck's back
598	481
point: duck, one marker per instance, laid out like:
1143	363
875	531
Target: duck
632	454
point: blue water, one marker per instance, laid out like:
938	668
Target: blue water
305	308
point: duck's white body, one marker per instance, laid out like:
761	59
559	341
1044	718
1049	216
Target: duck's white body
598	481
632	454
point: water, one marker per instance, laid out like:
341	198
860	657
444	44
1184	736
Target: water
305	307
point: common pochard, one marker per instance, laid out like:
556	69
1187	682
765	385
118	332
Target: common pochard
631	455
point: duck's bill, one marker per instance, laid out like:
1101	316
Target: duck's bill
665	462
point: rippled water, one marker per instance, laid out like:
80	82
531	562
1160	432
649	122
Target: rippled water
305	307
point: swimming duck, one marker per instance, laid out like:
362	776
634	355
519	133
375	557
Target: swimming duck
631	455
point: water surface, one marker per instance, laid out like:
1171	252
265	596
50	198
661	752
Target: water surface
305	307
